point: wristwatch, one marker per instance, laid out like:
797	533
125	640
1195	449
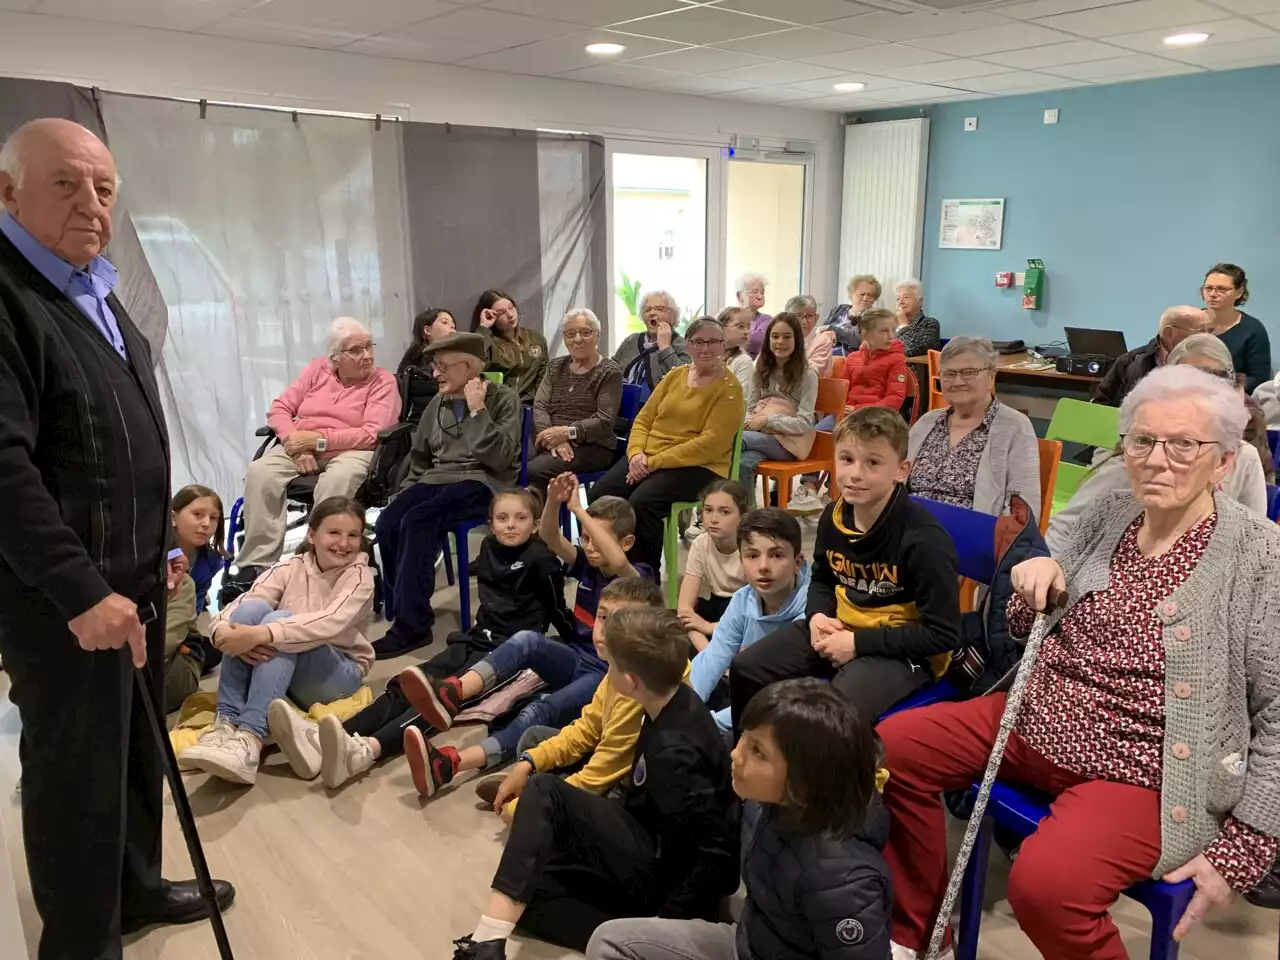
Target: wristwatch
322	445
573	431
527	758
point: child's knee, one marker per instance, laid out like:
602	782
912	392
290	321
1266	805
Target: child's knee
251	612
273	616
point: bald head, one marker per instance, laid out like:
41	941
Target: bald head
1178	323
59	181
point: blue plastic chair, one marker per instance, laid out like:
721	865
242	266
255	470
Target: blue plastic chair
1273	503
1020	811
1273	441
633	398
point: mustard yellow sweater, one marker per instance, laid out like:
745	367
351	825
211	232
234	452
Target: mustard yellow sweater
683	427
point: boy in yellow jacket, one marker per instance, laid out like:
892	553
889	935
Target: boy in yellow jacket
600	743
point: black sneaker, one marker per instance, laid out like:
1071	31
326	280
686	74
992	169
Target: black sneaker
468	949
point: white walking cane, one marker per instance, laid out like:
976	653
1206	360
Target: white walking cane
1010	716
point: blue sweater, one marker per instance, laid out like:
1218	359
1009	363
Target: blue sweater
743	624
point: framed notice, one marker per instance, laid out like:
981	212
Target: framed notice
972	224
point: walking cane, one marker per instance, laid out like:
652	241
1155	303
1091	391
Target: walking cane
185	818
1007	720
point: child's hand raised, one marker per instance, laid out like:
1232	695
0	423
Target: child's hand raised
563	488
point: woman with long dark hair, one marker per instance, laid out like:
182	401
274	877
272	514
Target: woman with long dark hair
416	366
516	352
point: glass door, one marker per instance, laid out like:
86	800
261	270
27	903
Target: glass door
767	226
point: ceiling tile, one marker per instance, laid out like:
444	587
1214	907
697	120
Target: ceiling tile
320	36
426	48
592	13
702	86
798	11
799	43
871	85
1220	31
558	54
914	93
878	57
945	70
702	60
1076	51
1132	17
846	104
1249	8
779	71
1024	81
17	6
911	26
1115	67
497	26
976	43
770	95
1048	8
144	13
703	25
1223	54
363	19
617	74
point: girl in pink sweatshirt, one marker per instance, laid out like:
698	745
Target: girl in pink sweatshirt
300	630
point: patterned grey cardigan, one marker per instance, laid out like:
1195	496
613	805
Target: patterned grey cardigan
1222	671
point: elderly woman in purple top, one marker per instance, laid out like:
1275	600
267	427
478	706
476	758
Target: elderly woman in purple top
750	292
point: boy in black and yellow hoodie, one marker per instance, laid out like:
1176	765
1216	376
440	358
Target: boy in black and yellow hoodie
883	609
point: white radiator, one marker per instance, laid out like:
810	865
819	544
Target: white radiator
882	216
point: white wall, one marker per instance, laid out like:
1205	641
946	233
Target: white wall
165	63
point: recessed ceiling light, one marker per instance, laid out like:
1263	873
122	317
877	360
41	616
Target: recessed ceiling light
849	87
605	49
1185	39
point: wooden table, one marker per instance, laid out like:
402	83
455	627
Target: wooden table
1034	392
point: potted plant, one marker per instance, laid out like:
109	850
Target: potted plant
629	293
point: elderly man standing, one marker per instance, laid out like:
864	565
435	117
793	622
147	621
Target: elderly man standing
328	422
1176	324
84	477
466	447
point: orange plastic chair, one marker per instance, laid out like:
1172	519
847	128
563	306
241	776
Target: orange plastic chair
935	384
831	397
913	394
1050	455
837	367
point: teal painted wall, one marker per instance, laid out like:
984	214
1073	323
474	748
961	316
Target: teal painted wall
1136	191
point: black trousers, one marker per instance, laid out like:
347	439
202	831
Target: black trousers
587	458
871	684
651	499
575	860
91	775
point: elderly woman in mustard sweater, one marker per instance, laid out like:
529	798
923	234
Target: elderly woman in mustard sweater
681	440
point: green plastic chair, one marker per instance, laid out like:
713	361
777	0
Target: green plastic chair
495	376
1093	424
671	530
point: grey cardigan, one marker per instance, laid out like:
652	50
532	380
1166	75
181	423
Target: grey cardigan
661	362
1222	671
1010	463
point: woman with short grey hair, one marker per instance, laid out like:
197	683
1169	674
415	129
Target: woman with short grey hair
918	333
864	290
975	452
645	358
750	292
818	341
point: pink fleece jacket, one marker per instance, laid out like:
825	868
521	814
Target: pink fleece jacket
349	417
326	606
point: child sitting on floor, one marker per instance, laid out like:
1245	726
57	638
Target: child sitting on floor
300	628
883	602
196	513
596	748
813	829
774	596
571	670
668	848
713	572
521	587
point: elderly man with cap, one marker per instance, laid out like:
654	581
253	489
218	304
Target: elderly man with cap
84	477
1176	324
466	447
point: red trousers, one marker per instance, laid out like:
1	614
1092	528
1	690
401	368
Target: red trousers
1098	839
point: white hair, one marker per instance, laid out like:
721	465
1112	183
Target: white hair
1203	345
1216	398
747	279
980	347
911	283
667	300
1184	312
801	302
342	330
582	313
11	161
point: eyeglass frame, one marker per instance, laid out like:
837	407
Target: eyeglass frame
356	352
967	374
701	344
1155	442
576	335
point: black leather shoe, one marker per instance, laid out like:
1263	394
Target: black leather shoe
180	902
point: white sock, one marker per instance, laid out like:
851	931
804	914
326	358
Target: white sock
491	929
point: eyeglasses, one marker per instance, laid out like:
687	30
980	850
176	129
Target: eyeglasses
701	344
571	335
1208	289
356	352
446	367
966	373
1177	449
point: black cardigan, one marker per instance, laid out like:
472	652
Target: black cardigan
84	454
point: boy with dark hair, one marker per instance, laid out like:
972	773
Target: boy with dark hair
774	596
668	848
572	670
883	606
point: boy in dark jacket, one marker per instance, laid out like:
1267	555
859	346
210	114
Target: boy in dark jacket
884	608
669	847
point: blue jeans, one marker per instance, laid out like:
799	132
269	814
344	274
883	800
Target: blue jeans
826	424
571	676
245	690
756	449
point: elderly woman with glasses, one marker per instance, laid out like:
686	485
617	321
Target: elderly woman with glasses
750	292
975	452
918	333
645	358
864	291
681	440
575	406
1151	715
1245	482
327	422
516	352
818	341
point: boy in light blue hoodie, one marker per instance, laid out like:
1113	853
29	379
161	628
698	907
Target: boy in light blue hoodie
777	586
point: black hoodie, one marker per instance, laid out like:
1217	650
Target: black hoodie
521	588
896	586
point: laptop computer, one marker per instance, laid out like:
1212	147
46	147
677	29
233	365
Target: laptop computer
1098	343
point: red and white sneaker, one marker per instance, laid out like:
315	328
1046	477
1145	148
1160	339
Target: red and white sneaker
430	767
438	701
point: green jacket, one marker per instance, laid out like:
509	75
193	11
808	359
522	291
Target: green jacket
482	446
521	363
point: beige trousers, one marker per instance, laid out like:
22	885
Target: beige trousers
264	500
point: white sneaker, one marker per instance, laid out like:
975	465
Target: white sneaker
694	530
342	755
234	759
297	738
806	501
214	736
